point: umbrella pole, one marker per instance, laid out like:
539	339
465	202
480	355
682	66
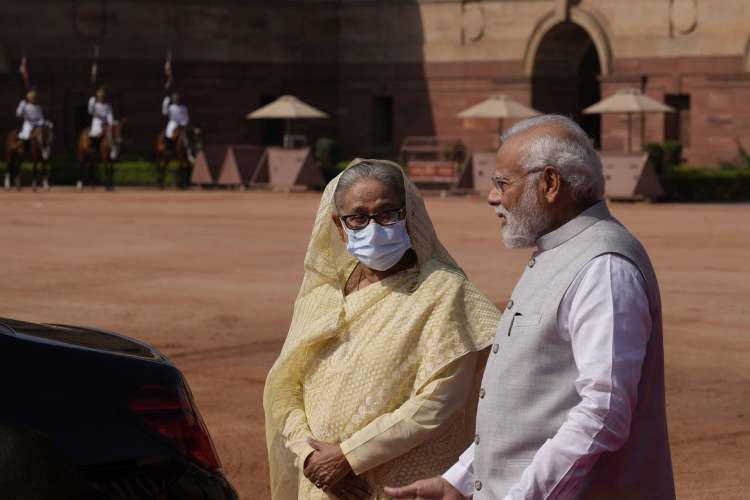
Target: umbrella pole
630	133
287	132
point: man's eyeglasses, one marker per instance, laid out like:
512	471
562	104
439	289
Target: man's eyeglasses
502	183
355	222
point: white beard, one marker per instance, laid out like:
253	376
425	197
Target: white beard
527	222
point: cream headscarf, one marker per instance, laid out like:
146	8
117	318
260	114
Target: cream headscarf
319	314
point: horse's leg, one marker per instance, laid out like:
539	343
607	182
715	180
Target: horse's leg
90	166
17	171
110	165
45	175
10	170
185	175
181	163
162	173
34	174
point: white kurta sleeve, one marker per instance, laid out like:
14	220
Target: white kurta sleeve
605	314
20	108
92	104
461	475
165	106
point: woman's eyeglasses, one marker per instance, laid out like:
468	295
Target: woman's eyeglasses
355	222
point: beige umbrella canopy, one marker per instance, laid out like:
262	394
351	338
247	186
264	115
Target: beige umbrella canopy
286	107
628	101
498	107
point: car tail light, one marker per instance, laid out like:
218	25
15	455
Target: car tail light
171	412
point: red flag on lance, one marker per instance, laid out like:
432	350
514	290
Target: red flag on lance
168	69
95	64
24	70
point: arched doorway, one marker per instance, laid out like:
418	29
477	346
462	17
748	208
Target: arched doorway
565	77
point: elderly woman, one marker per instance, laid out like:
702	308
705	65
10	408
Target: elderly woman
379	373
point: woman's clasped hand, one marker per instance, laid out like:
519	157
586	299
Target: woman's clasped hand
327	469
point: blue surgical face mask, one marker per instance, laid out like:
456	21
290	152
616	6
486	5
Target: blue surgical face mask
379	247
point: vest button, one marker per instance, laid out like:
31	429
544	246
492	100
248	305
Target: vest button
495	348
477	485
481	392
476	439
532	262
510	304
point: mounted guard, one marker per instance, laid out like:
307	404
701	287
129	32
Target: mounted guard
34	139
176	139
179	119
104	137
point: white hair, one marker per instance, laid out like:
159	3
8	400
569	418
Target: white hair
573	154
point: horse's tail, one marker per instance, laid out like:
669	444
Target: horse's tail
83	144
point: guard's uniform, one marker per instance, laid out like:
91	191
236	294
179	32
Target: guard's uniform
101	115
33	117
177	114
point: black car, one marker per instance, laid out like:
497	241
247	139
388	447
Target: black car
89	414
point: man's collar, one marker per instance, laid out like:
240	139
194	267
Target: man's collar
573	227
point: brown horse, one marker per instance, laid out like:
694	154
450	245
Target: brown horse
187	143
40	144
106	152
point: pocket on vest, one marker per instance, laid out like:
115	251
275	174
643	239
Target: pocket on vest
521	320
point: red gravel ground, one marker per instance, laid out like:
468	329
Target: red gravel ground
210	277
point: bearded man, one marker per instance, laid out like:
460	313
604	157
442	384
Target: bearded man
572	400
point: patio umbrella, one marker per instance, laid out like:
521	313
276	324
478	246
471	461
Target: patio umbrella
498	107
628	101
287	108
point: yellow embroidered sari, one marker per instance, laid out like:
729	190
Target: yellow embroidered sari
355	369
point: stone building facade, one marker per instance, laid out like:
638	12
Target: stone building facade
388	69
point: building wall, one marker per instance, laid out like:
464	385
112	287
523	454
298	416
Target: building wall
470	49
433	58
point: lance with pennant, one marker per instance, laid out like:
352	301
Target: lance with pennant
168	70
24	70
95	64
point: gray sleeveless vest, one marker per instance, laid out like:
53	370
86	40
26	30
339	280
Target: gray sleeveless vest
528	385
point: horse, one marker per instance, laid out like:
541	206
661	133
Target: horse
187	143
107	152
40	144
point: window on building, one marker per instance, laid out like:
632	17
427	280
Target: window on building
382	120
677	124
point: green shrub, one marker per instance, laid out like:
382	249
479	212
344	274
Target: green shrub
327	154
67	171
706	184
672	155
744	157
656	155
